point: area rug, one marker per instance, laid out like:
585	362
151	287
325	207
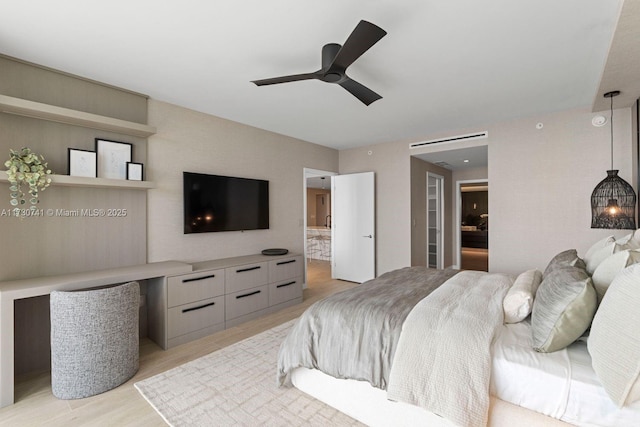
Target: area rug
236	386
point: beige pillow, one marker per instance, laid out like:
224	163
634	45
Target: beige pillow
610	267
562	309
518	302
614	340
597	246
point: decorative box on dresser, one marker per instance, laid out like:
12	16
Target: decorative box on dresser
222	293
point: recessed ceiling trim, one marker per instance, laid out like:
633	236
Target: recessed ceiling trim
466	137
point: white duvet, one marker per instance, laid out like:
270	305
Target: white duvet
443	359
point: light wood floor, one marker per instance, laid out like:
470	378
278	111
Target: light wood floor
124	406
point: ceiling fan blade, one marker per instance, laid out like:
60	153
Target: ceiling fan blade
285	79
360	40
363	93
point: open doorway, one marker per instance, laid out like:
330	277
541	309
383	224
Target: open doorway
317	225
473	220
459	165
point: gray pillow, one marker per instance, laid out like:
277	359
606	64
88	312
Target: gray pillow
564	258
563	308
614	341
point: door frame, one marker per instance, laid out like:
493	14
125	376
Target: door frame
441	218
308	173
459	185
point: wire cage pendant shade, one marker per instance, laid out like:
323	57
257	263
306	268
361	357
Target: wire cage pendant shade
613	203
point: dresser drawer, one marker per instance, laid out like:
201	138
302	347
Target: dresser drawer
246	301
192	287
246	276
285	290
194	316
285	268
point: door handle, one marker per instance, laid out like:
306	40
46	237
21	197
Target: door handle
369	236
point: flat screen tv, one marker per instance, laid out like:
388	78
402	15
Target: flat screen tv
223	203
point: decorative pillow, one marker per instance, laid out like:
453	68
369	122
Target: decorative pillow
610	267
632	240
568	257
563	308
602	254
519	299
614	342
597	246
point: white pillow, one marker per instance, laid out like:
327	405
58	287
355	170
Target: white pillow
610	267
614	341
631	239
601	254
519	299
597	246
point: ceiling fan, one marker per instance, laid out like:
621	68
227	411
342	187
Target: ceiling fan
336	59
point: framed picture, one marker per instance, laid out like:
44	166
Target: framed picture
112	158
134	171
82	163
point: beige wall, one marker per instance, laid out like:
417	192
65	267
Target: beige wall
391	165
540	184
190	141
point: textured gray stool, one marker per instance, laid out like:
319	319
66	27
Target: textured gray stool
94	339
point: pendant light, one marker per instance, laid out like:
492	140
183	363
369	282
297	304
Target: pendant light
613	201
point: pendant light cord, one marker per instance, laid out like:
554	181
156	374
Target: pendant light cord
611	98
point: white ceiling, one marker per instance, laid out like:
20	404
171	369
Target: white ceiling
443	66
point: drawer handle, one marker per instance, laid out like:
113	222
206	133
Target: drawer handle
285	284
186	310
242	270
195	279
249	294
286	262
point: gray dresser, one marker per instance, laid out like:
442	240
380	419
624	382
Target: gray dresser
222	293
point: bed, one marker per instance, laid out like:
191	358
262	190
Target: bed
420	346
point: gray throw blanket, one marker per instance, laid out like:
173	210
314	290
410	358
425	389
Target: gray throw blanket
353	334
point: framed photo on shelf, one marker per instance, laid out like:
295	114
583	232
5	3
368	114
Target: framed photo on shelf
112	158
135	171
82	163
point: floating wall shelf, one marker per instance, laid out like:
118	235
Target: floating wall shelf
23	107
81	181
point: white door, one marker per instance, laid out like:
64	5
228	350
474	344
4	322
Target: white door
435	186
353	227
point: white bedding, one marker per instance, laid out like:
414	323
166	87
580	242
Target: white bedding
560	384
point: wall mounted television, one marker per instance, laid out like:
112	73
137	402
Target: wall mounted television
215	203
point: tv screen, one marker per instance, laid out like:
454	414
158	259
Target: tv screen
223	203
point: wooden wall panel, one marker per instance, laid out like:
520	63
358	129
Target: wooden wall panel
54	243
40	84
